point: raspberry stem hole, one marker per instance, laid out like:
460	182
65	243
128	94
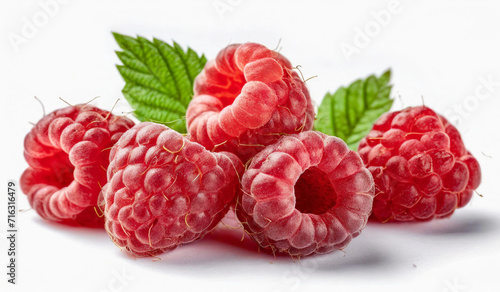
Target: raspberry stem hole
314	192
61	170
232	89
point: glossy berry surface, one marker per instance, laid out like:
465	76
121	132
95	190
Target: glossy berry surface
246	98
307	193
164	190
420	165
67	152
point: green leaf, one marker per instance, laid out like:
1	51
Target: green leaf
159	79
350	112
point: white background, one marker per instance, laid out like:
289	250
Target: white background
439	51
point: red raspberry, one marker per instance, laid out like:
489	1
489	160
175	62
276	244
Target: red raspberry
67	152
420	166
164	190
307	193
246	98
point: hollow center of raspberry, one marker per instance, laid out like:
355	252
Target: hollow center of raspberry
314	193
228	93
61	173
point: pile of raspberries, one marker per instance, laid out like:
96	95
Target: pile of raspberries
251	149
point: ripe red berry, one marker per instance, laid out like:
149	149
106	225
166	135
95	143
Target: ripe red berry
246	98
307	193
420	166
67	152
164	190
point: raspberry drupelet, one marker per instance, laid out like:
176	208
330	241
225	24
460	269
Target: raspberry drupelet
67	152
245	99
307	193
420	165
164	190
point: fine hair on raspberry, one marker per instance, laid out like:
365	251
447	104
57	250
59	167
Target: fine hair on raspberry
307	193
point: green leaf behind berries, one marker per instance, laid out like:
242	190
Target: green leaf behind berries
159	79
350	112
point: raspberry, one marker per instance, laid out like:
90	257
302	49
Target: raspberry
307	193
164	190
420	166
245	98
67	152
